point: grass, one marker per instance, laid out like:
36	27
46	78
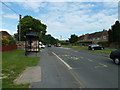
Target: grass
104	51
13	63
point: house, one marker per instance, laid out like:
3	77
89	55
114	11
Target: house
95	37
4	34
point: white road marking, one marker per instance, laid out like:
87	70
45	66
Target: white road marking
79	81
101	65
90	60
74	58
65	48
81	57
75	51
69	67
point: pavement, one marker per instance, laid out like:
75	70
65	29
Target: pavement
29	75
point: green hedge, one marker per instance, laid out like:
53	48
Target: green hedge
115	45
83	42
8	41
104	43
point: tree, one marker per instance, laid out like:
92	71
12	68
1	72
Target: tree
27	23
73	38
48	39
114	32
8	41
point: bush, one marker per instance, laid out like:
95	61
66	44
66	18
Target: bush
5	41
83	42
12	42
115	45
104	43
8	41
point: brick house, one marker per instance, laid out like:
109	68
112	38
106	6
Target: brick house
4	34
95	37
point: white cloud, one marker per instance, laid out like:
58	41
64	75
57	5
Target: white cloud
61	20
67	18
110	4
11	16
33	6
60	0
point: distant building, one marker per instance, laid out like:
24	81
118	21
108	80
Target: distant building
95	37
4	34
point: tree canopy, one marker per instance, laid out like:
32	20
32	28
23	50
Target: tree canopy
28	23
114	32
73	38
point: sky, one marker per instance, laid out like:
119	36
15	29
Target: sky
62	18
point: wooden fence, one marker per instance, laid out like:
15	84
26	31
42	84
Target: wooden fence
4	48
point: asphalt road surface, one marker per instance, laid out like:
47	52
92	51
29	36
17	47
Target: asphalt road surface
68	68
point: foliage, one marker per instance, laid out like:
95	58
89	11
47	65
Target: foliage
64	42
83	42
48	39
27	24
73	38
114	33
115	45
5	41
104	43
8	41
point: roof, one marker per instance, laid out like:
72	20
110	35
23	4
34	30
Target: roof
4	34
32	35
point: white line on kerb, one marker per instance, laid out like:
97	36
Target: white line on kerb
69	67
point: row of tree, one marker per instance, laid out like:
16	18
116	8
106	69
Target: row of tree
27	24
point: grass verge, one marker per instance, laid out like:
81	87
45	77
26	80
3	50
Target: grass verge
104	51
13	63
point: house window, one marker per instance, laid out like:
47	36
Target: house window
98	38
104	37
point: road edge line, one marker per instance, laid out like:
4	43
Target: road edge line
69	67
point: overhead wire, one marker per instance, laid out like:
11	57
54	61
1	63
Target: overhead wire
9	8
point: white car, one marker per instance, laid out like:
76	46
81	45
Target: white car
41	46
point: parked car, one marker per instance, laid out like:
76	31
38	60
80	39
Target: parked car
41	46
49	45
115	56
58	45
95	47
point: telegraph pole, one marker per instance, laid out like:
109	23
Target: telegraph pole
20	16
60	37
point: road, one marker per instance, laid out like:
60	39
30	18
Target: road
68	68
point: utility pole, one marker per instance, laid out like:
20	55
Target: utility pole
20	16
119	11
60	37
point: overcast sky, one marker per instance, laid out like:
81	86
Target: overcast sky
62	18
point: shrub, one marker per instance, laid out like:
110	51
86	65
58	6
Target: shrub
83	42
115	45
104	43
8	41
5	41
